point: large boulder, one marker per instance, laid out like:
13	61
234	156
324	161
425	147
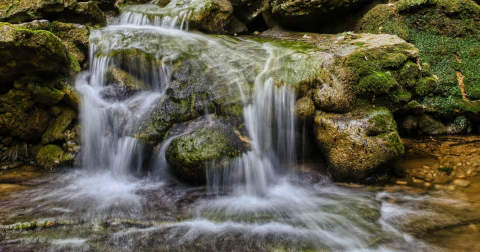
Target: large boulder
41	52
201	143
358	143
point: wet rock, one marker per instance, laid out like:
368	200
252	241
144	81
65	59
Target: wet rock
124	79
358	143
304	109
200	144
58	126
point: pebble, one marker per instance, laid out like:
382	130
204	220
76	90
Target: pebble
427	184
415	180
461	182
439	187
401	182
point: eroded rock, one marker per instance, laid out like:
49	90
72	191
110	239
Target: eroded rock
358	143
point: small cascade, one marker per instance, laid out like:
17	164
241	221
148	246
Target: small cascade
257	203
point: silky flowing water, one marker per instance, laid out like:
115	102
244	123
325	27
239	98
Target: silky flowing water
119	201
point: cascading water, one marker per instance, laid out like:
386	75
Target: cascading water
255	204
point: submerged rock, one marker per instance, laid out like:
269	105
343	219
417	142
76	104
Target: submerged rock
358	143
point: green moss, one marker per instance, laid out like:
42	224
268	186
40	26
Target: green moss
377	83
446	169
366	62
410	4
408	75
74	65
49	156
426	86
384	19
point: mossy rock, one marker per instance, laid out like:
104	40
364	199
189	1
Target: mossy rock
123	78
19	117
41	52
358	143
74	37
195	148
20	11
58	126
49	156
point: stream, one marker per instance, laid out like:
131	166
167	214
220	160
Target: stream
260	203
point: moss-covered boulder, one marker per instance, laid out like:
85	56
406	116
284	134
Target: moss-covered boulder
358	143
49	156
41	52
199	143
309	14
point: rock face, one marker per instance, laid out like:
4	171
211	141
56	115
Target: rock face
358	143
38	102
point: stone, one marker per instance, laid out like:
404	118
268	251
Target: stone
192	150
461	182
49	156
75	38
358	143
123	78
19	117
41	52
58	126
304	109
